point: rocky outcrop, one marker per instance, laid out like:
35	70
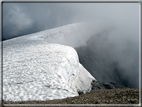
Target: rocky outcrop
96	85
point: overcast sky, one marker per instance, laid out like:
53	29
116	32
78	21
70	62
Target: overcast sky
116	23
24	18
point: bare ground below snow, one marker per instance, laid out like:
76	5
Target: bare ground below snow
102	96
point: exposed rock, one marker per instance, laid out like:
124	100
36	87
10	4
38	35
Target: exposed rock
96	85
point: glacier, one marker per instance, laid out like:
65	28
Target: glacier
41	66
70	35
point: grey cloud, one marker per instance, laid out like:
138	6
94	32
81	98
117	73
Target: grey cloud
24	18
111	54
15	21
49	15
111	57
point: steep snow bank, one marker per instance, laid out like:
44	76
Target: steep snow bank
42	71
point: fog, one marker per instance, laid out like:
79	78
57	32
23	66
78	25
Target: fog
111	53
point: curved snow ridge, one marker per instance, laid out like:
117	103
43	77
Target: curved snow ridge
66	35
70	35
42	72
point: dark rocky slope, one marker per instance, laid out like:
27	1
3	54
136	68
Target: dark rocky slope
96	85
102	96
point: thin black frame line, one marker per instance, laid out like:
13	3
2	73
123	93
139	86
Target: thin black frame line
140	50
71	105
1	43
65	104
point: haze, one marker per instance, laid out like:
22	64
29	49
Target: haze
111	54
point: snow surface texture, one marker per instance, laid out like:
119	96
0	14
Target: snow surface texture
70	35
41	71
